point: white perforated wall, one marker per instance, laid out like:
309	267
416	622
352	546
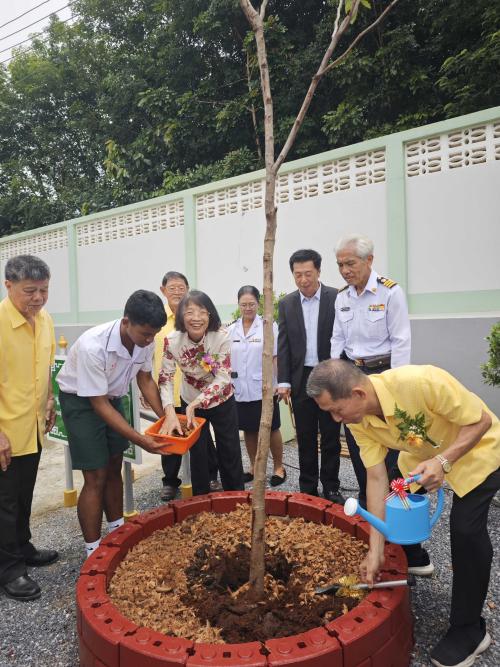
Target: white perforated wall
34	245
349	173
109	272
133	223
453	225
230	250
462	148
453	222
57	260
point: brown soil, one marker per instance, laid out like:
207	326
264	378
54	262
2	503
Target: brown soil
191	580
185	432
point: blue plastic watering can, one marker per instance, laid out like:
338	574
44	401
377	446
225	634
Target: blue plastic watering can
402	525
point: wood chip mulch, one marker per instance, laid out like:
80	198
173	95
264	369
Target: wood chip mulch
191	580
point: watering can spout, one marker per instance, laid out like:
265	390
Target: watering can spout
352	507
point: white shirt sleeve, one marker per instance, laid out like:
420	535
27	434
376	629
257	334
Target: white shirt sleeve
338	339
398	326
275	343
147	366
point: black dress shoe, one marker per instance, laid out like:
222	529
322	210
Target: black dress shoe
22	588
168	493
335	497
247	477
41	557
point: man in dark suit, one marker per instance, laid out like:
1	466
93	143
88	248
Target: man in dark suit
305	328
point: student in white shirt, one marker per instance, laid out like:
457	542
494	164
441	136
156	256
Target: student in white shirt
247	338
96	374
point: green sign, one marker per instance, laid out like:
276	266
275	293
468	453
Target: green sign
59	431
130	408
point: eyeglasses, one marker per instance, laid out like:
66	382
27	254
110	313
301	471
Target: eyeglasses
248	306
197	313
175	290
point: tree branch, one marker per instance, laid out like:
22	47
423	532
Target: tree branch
336	35
326	67
249	11
360	37
263	9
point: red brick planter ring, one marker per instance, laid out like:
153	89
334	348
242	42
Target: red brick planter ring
376	633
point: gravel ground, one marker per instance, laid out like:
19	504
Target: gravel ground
43	633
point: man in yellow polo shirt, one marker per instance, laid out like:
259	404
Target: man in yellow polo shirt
441	429
26	413
173	287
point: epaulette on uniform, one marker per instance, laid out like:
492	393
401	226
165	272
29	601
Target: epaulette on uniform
342	289
386	282
226	325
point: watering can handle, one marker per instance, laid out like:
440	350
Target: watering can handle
440	499
412	479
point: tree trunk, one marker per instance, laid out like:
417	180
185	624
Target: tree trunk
256	20
257	559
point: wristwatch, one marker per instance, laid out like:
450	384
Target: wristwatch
444	463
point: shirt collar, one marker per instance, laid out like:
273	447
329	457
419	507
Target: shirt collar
200	343
17	319
371	285
115	344
386	399
315	296
169	311
253	326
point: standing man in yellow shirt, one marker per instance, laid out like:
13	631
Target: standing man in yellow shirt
440	429
174	286
27	412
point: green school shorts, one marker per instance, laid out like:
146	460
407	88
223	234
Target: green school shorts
91	441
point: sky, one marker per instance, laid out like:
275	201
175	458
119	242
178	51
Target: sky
11	9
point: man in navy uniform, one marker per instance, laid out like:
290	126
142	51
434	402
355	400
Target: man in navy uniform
371	329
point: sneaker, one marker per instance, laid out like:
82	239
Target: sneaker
461	645
421	566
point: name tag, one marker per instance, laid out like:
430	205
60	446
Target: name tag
345	309
375	307
255	340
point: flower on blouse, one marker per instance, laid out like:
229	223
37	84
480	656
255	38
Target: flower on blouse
208	362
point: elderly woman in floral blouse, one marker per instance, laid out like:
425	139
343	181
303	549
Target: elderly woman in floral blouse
202	350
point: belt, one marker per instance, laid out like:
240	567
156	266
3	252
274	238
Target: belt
373	362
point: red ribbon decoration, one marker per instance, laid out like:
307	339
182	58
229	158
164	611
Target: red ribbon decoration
399	487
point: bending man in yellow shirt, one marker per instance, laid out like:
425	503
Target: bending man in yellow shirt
26	413
460	439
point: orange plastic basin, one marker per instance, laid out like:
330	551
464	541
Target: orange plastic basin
174	444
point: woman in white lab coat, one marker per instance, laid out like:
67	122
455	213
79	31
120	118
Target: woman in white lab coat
247	338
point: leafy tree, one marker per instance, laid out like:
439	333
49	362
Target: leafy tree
491	369
141	97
